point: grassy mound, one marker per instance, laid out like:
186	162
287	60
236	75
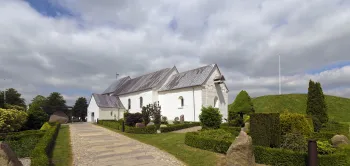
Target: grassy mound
338	107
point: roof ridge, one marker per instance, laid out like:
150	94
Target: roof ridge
149	73
195	69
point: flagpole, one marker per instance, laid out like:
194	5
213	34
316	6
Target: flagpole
279	73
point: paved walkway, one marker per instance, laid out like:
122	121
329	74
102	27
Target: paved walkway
96	146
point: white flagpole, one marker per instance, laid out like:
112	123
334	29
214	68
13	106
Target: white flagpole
279	73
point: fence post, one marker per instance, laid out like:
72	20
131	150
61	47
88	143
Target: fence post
312	153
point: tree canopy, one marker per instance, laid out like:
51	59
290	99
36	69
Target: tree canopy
12	98
80	108
55	102
242	104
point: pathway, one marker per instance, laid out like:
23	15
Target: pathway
96	146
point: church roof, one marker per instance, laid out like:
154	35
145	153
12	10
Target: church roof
116	85
189	78
106	101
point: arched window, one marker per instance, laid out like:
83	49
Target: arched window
216	102
181	101
129	104
141	102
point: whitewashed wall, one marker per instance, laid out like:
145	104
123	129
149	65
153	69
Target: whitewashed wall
92	108
105	113
135	100
170	103
210	91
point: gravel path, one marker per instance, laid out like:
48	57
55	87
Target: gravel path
96	146
191	129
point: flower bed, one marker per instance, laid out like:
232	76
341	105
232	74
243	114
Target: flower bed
173	127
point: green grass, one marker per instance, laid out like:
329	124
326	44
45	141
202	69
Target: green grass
173	143
338	107
62	153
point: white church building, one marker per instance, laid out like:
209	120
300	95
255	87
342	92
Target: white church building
178	93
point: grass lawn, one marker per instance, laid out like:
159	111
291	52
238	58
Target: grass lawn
173	143
62	153
338	107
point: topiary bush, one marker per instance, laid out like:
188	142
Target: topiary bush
295	142
324	147
265	129
111	124
210	118
12	120
294	122
132	119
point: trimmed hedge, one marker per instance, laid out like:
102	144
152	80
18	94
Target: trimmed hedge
276	156
146	130
233	130
322	135
39	156
111	124
336	128
265	129
294	122
216	145
173	127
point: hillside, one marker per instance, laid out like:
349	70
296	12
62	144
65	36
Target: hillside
338	107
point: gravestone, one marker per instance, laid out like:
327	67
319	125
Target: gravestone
182	119
59	116
7	156
241	151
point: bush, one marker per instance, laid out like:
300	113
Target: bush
174	127
164	120
233	130
324	147
36	118
294	122
39	156
236	120
265	129
146	130
132	119
316	123
335	127
47	126
14	107
275	156
210	117
111	124
325	136
242	105
207	140
22	143
12	120
295	142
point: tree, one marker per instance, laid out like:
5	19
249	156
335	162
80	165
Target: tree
242	105
316	104
210	118
12	98
80	108
37	102
36	115
55	101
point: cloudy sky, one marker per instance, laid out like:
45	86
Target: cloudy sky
75	47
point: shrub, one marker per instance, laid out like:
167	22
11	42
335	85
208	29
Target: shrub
174	127
324	147
164	120
146	114
145	130
14	107
47	126
36	118
111	124
39	156
11	120
236	120
246	118
317	124
295	142
325	136
210	117
294	122
22	143
230	129
242	105
217	134
203	141
265	129
132	119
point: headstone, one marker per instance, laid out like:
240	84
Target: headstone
59	117
7	156
150	124
241	151
182	119
339	140
140	125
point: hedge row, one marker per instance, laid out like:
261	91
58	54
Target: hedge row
276	156
233	130
145	130
173	127
21	134
336	127
39	156
322	135
195	140
265	129
111	124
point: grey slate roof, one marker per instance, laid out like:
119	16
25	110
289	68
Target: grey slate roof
116	85
143	82
106	101
189	78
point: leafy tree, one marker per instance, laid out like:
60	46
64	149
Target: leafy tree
12	98
242	105
80	108
36	115
316	104
37	102
55	101
210	118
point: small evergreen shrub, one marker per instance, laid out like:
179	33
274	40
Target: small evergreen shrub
210	117
317	124
324	147
236	120
294	122
265	129
132	119
111	124
295	142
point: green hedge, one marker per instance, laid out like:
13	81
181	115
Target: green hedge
265	129
111	124
146	130
233	130
336	127
322	135
294	122
173	127
276	156
195	140
39	156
